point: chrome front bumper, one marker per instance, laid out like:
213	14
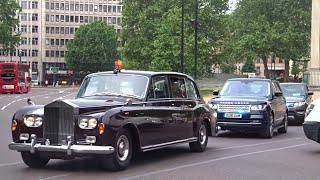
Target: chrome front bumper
70	149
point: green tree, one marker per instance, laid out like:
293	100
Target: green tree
248	66
94	48
152	34
9	39
295	68
274	26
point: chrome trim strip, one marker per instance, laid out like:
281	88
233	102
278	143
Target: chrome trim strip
239	123
69	149
157	146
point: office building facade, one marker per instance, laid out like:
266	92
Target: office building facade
47	26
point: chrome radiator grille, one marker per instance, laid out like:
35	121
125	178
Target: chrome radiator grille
233	108
58	122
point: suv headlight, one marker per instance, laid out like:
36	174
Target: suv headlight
258	107
299	103
87	122
33	121
213	106
309	109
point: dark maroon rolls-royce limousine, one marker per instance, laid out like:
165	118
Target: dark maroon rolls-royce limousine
113	115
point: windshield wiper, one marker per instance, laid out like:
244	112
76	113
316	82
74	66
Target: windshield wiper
113	94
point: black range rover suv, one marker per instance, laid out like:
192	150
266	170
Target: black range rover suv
251	105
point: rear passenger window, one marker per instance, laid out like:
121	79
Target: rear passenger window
191	90
159	88
178	87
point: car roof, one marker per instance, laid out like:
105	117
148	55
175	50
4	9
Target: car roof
249	79
142	73
293	83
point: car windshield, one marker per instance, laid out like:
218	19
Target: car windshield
114	85
293	90
246	88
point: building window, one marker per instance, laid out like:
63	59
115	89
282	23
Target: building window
109	8
81	7
105	8
86	7
72	18
57	42
62	18
34	41
52	18
57	53
24	4
47	5
35	4
62	42
119	21
61	30
52	30
76	19
23	40
57	30
67	18
47	41
114	9
90	7
57	6
34	29
62	54
71	7
52	6
86	19
51	53
34	53
100	8
61	6
47	29
90	19
57	18
71	30
52	42
280	60
67	6
23	28
76	7
23	16
67	30
119	9
47	17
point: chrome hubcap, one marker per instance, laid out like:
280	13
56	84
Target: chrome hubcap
123	148
202	134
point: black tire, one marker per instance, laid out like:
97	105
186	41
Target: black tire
268	131
202	139
284	129
34	160
121	158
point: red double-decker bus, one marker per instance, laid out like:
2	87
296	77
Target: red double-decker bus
14	77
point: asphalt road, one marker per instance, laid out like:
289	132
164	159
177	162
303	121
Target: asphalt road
229	156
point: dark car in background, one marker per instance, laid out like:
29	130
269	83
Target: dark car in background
298	97
113	115
251	105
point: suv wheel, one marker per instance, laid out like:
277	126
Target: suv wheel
268	131
202	141
284	129
33	160
122	155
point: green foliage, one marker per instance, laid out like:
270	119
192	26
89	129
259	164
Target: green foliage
260	27
295	68
152	34
94	48
248	66
8	22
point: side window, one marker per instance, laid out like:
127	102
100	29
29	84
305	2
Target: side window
178	87
159	88
191	90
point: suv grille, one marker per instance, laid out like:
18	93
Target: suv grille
233	108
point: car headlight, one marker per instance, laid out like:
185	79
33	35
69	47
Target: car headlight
33	121
309	109
87	122
299	103
258	107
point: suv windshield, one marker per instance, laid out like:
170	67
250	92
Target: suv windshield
293	90
114	85
246	88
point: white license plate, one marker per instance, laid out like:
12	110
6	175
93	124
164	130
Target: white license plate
231	115
7	86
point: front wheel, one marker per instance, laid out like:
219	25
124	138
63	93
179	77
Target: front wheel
268	131
34	160
122	155
202	139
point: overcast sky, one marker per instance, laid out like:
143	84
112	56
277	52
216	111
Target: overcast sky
232	3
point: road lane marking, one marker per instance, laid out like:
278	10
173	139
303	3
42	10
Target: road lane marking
55	177
257	144
10	164
213	160
3	107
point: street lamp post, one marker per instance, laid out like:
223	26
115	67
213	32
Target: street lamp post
182	38
196	39
19	54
